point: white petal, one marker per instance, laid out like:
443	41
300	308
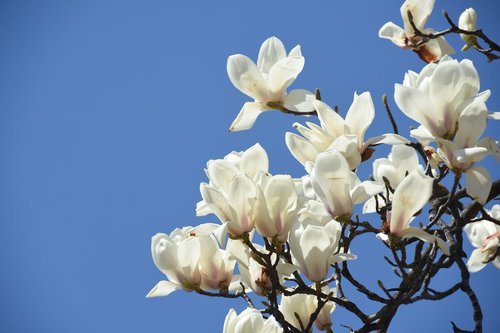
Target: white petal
216	202
426	237
270	52
247	116
394	33
163	288
247	78
471	124
300	148
220	173
476	261
410	196
478	183
360	115
415	104
300	100
283	73
330	120
254	160
420	10
230	321
364	191
388	139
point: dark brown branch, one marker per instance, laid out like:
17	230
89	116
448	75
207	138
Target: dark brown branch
490	52
389	113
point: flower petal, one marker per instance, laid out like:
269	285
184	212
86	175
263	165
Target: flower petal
271	51
394	33
360	115
283	73
478	184
410	196
476	261
420	10
300	148
331	121
247	78
426	237
247	116
163	288
254	160
300	100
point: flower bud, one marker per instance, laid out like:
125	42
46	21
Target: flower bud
467	21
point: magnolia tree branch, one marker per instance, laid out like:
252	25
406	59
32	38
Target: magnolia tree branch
491	52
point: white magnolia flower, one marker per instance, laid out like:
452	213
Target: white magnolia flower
467	21
276	208
267	82
338	188
461	153
303	305
401	161
485	236
410	197
431	51
253	274
313	245
250	321
346	136
437	96
236	207
191	258
220	172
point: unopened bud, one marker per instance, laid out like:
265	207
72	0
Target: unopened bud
467	21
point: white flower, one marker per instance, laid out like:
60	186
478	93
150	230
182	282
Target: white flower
485	236
276	207
253	274
346	136
410	197
236	207
313	245
461	153
338	188
191	258
467	21
437	96
221	172
401	161
303	305
431	51
267	82
250	321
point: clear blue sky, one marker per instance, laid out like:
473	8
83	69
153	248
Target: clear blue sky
109	111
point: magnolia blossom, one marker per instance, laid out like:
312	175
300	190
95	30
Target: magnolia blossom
338	188
485	236
221	172
276	207
191	258
267	82
303	305
237	206
401	161
467	21
345	135
433	49
410	197
313	245
250	321
253	274
437	96
461	153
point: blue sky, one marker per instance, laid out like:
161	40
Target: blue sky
109	112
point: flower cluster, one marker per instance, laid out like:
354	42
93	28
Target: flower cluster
306	225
